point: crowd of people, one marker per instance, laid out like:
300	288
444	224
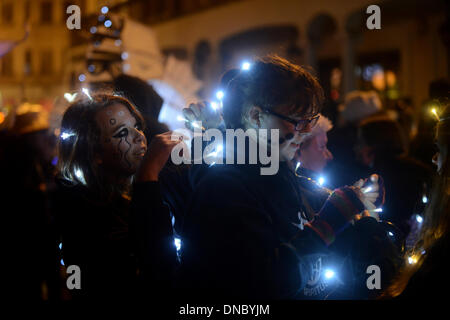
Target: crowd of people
349	194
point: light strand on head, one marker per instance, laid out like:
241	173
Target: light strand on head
86	92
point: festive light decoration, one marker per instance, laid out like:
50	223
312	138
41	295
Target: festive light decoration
124	55
245	66
329	274
377	210
419	218
86	92
214	105
82	77
220	94
297	166
391	234
177	243
424	199
93	30
70	97
217	150
104	10
66	135
412	259
107	23
366	190
435	113
321	180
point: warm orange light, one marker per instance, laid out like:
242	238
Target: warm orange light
2	117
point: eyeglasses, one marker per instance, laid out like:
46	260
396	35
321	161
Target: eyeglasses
300	125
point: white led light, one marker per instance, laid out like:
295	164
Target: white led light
214	105
378	210
177	242
321	180
107	23
70	97
245	65
297	166
368	189
424	199
66	135
105	10
86	92
391	234
220	94
419	219
329	274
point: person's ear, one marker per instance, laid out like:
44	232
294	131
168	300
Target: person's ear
255	116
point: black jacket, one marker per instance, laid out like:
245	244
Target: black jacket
242	238
123	249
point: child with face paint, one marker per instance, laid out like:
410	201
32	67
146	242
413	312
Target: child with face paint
112	219
244	235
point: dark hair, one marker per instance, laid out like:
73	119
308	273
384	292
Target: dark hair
79	142
436	224
270	83
384	135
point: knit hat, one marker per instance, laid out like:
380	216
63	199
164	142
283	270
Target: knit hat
359	105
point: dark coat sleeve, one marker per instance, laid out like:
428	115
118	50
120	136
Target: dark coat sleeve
154	240
231	248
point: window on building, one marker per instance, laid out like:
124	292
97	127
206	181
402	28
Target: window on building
6	65
7	12
28	66
27	10
47	63
46	12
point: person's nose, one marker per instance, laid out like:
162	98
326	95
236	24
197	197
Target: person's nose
139	137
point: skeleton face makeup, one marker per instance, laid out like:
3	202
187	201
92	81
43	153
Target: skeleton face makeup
122	143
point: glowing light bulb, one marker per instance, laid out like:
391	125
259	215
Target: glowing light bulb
177	242
220	94
329	273
105	10
378	210
368	189
245	65
321	180
214	105
70	97
107	23
86	92
424	199
391	234
297	166
66	135
419	219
